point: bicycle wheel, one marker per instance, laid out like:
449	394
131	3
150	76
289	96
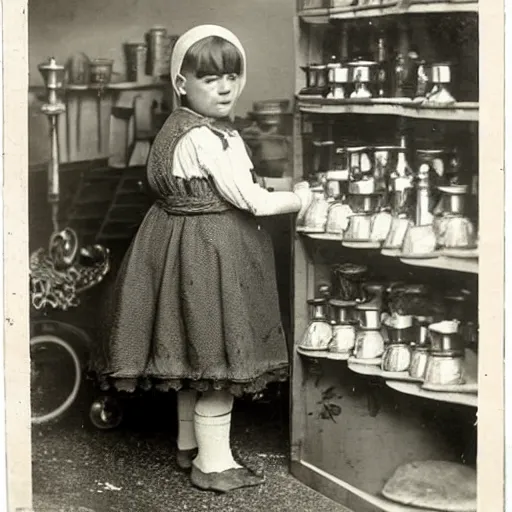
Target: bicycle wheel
55	377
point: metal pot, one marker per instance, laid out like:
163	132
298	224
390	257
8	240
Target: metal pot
445	338
364	203
343	338
338	218
381	224
369	344
419	360
136	57
359	227
369	316
444	370
100	71
440	73
318	76
342	311
361	71
396	358
317	309
397	232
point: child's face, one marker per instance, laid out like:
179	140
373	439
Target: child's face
211	95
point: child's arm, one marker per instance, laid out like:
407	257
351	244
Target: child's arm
230	170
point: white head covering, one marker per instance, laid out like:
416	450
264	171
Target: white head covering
194	35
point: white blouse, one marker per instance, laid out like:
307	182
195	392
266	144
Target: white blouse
199	154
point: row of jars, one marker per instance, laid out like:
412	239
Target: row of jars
367	79
372	195
416	339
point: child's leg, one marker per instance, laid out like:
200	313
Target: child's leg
212	422
186	432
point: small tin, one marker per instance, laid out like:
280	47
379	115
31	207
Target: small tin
136	56
158	52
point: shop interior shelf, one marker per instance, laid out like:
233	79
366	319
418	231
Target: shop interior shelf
414	388
440	262
376	371
322	354
462	111
445	263
380	502
396	8
401	381
113	86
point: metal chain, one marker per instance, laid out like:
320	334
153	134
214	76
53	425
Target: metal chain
59	289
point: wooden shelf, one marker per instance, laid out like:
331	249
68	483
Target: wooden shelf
322	354
444	263
119	86
464	111
326	15
413	388
441	262
380	502
315	16
376	371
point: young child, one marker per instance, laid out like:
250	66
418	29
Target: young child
196	305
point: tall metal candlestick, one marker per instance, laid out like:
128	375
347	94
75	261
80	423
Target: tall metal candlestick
53	75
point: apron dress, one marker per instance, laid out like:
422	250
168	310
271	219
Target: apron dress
195	301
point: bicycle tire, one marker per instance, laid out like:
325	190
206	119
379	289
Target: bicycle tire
49	338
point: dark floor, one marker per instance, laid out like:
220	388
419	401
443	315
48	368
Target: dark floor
77	468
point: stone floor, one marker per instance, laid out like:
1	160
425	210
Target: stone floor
77	468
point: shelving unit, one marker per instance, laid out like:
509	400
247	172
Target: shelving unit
467	111
324	15
415	389
386	420
113	86
469	265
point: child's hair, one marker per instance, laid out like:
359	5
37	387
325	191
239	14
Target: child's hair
212	55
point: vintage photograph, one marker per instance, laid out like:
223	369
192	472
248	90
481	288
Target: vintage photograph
253	252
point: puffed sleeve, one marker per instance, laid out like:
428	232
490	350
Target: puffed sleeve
231	171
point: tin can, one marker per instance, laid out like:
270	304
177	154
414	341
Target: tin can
136	55
158	53
101	71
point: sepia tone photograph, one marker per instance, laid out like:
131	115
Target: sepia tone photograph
255	256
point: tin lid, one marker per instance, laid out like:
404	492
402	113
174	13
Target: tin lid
362	63
321	143
368	306
338	303
454	189
317	301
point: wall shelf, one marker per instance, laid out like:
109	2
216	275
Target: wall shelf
464	111
376	371
441	262
413	388
113	86
380	502
389	413
326	15
323	354
445	263
400	381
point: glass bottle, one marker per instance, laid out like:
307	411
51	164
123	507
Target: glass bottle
382	69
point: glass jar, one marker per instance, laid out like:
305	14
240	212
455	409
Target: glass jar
347	280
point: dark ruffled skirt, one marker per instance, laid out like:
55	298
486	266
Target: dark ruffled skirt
195	304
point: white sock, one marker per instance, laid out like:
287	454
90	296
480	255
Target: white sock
212	420
186	432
